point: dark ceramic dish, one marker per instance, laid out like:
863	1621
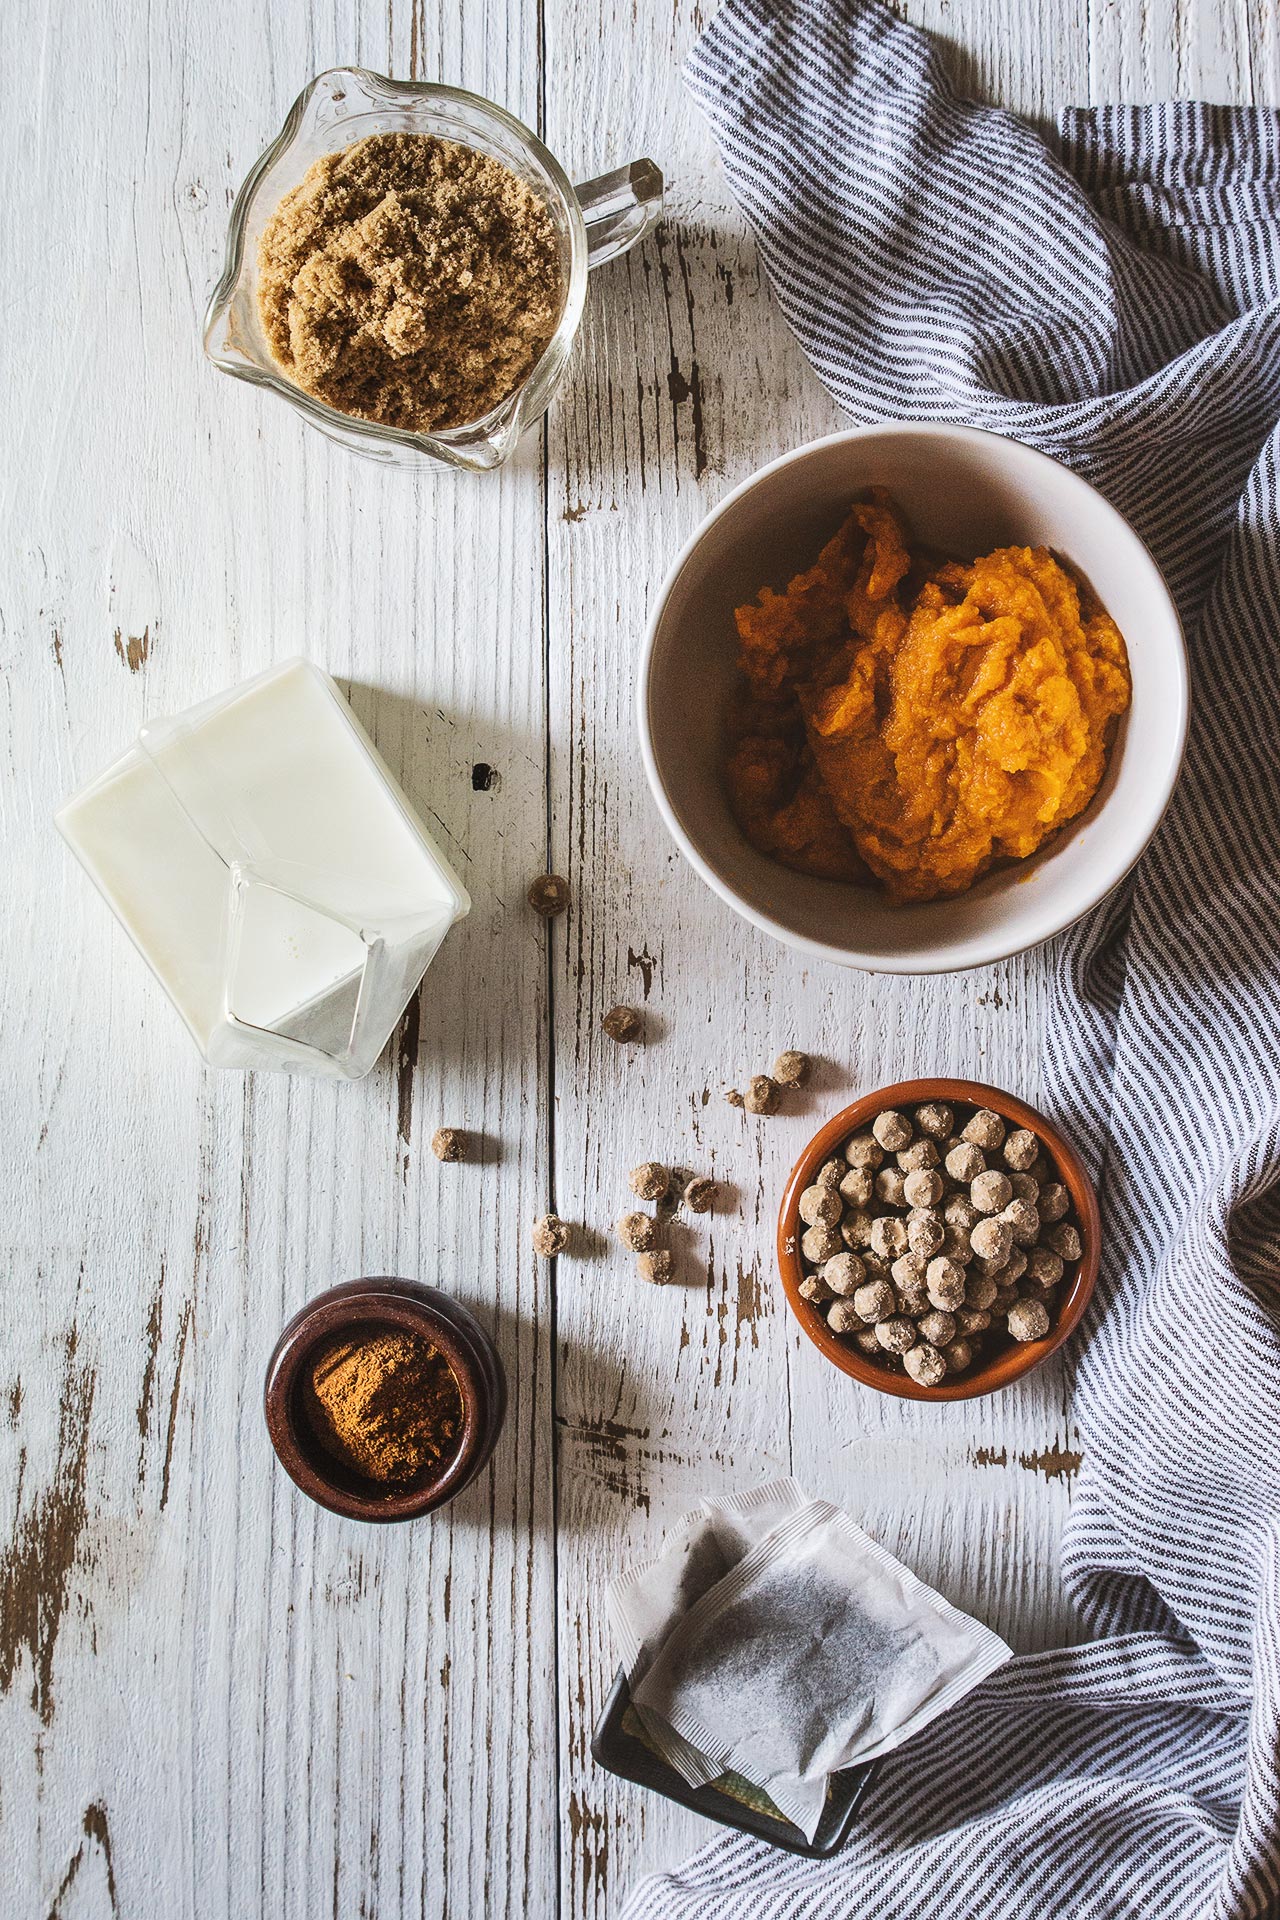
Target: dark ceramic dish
405	1304
619	1751
990	1371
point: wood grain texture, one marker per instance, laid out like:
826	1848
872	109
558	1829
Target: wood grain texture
216	1700
219	1700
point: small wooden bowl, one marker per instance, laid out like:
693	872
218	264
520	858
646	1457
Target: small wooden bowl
988	1374
383	1303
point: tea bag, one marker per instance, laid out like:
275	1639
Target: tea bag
811	1650
647	1603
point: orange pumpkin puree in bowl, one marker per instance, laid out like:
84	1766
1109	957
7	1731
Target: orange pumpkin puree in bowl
918	720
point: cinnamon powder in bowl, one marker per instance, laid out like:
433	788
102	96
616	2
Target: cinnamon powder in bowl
384	1403
384	1398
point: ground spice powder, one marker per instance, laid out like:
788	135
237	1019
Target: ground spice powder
409	280
385	1404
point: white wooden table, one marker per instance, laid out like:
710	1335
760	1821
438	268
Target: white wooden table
217	1699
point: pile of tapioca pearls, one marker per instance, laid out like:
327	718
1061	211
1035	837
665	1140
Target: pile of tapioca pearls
932	1232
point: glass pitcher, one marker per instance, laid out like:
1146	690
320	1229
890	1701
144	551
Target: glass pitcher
271	873
593	223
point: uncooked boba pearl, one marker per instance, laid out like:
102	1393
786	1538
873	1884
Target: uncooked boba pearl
857	1186
986	1129
1028	1320
819	1243
842	1317
888	1236
925	1232
959	1212
945	1280
1065	1241
1021	1150
864	1151
965	1162
913	1299
891	1186
990	1191
925	1364
1012	1270
1053	1201
820	1206
855	1228
956	1246
897	1335
1044	1265
938	1327
908	1270
1024	1222
979	1290
922	1188
875	1301
844	1273
992	1240
892	1130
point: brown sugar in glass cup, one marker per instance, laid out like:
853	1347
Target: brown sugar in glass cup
594	222
354	1309
1000	1366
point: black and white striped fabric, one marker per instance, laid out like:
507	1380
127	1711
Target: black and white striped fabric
1120	308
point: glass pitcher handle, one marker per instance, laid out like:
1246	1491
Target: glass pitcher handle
620	208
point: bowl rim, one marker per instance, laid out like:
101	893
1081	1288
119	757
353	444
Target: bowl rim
978	951
1016	1362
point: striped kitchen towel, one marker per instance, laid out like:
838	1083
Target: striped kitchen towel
1118	306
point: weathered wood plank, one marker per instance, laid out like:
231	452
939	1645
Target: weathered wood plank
217	1699
1183	49
688	380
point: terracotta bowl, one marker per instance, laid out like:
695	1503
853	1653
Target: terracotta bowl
383	1303
1002	1364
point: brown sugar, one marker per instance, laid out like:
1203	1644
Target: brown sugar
409	280
385	1405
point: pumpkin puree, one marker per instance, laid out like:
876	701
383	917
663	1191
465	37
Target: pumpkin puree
922	720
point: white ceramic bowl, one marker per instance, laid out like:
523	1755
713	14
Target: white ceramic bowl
965	492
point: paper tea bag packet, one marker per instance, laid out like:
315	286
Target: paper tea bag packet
271	873
645	1605
804	1649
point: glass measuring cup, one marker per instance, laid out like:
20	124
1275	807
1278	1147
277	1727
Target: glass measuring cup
593	222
